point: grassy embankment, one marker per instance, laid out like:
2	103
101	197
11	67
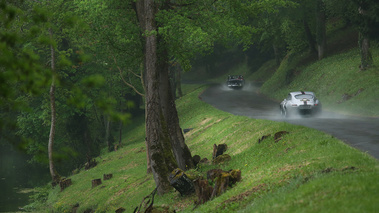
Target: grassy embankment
306	171
336	80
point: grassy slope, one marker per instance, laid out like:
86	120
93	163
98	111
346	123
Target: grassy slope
330	79
307	171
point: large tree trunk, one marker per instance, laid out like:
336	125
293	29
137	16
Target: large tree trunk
321	29
181	151
157	142
54	175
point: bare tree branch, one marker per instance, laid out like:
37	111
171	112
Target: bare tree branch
127	83
135	74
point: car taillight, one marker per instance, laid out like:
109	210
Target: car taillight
294	105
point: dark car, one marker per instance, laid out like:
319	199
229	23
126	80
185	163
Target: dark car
300	103
235	81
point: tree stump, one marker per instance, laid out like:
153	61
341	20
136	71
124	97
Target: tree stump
75	208
219	150
89	211
222	159
235	176
203	190
221	184
120	210
278	136
117	147
213	173
96	182
205	161
90	164
222	180
107	176
196	159
263	137
64	183
180	181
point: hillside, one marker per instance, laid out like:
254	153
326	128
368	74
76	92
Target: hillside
337	80
306	171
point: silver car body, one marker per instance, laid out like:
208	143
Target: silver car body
301	102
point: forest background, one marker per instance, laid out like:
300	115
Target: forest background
73	72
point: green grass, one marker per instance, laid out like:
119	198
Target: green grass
330	79
306	171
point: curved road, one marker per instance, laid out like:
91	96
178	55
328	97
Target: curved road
361	133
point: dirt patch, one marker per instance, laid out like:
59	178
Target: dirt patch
345	169
206	120
242	196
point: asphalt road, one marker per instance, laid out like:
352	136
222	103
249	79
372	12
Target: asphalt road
361	133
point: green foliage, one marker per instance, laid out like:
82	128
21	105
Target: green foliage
38	198
18	64
87	91
194	28
265	72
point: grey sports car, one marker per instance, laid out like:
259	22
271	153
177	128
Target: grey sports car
300	103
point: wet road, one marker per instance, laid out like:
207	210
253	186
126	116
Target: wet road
361	133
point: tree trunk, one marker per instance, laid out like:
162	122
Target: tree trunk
366	57
156	140
139	9
321	29
148	170
54	175
172	80
364	43
308	33
120	133
276	53
178	79
107	124
181	151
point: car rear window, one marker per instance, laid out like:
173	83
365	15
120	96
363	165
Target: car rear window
301	96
